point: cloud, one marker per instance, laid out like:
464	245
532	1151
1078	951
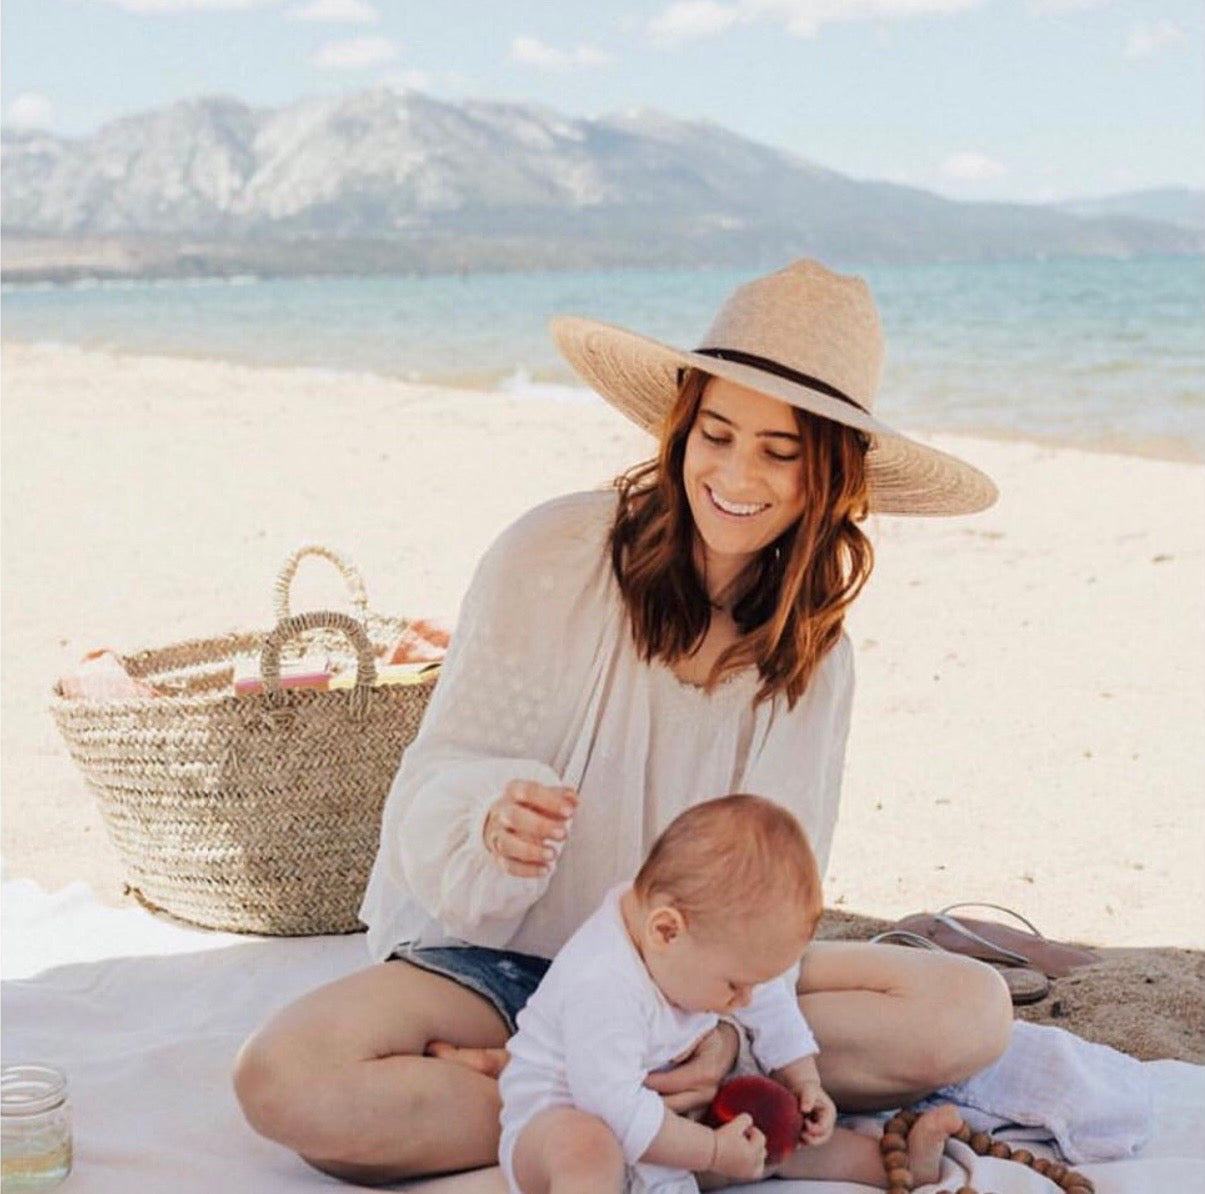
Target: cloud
1145	41
533	52
694	19
174	6
355	53
1064	5
30	111
804	18
689	20
972	167
349	12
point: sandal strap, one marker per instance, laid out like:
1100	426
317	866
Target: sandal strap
1000	951
903	937
998	908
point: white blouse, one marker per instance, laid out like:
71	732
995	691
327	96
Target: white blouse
542	682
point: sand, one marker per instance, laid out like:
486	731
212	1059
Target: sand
1028	724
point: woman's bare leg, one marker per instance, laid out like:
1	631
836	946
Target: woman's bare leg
340	1077
894	1024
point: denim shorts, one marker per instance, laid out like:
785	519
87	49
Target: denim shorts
505	978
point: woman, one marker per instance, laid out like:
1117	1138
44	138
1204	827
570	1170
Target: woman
618	656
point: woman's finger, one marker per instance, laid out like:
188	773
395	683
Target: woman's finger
523	870
526	823
686	1076
516	849
525	860
557	803
687	1100
702	1070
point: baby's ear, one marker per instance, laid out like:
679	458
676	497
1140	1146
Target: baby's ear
665	925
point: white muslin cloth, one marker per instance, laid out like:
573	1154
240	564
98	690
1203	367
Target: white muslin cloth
145	1017
1095	1103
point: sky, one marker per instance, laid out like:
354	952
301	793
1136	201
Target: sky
1022	100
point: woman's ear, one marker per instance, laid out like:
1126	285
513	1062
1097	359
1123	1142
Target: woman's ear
664	926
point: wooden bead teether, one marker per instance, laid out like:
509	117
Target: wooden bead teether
894	1149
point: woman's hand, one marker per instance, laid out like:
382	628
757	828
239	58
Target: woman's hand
526	825
692	1083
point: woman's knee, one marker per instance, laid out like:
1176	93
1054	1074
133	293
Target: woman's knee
972	1025
270	1085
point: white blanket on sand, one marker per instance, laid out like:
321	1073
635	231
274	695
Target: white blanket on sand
146	1016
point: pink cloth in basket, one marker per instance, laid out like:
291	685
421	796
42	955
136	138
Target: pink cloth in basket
101	676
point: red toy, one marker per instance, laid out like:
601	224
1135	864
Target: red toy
775	1112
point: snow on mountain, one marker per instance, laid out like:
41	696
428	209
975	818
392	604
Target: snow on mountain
503	183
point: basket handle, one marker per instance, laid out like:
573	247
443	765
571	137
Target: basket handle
288	628
349	572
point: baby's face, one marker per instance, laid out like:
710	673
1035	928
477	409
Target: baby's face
716	971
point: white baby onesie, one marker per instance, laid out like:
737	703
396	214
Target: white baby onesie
598	1025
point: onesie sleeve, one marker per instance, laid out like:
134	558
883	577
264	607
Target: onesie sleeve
778	1032
605	1069
493	717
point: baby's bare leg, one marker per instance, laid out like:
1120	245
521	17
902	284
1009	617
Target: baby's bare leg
855	1157
566	1151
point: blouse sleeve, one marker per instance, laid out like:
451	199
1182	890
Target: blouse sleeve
492	718
801	756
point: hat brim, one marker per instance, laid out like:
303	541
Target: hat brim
639	377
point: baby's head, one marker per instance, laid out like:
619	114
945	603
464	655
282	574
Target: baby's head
728	898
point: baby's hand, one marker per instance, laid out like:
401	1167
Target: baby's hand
819	1114
740	1150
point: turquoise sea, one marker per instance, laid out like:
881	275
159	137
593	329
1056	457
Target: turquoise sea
1094	353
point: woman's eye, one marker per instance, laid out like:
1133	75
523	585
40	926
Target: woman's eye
784	459
714	439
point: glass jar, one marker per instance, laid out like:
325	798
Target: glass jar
35	1128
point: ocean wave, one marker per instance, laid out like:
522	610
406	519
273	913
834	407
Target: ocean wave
520	383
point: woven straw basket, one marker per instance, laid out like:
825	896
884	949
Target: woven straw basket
255	813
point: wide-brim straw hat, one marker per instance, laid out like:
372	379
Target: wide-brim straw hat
804	335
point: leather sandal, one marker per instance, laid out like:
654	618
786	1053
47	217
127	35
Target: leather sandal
991	941
1025	984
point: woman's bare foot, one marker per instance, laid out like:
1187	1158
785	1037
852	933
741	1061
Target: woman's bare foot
489	1062
927	1141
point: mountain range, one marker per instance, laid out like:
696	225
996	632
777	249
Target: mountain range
384	181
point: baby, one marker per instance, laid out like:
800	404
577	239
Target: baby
713	925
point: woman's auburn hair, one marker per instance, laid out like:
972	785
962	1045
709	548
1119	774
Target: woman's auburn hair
792	595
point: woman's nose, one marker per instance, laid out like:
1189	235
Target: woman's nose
740	470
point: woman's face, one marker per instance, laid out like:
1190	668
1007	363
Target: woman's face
743	473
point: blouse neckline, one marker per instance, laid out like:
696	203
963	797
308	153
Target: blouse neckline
736	684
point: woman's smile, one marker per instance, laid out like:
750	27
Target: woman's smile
735	509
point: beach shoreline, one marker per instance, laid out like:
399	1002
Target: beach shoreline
526	386
1030	695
